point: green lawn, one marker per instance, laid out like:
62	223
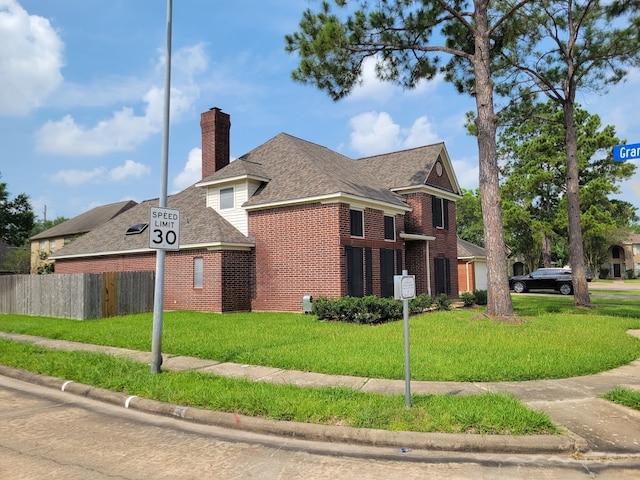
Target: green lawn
552	340
556	340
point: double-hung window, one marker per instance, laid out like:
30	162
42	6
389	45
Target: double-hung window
440	212
357	223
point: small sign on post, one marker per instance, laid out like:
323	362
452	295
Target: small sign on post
404	288
164	231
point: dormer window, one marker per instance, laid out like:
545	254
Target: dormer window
226	198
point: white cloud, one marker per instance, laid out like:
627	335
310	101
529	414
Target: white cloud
421	133
124	130
130	170
371	88
30	59
375	133
78	177
192	171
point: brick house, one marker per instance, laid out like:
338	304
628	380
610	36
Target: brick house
289	219
623	258
46	243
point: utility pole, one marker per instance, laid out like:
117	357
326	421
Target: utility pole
158	298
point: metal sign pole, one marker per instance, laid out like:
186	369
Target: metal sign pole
407	369
158	298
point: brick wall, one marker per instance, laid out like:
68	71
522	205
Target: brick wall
220	292
445	245
297	253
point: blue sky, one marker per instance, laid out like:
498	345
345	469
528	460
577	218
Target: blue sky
81	92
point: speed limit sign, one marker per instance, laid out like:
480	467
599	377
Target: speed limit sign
164	231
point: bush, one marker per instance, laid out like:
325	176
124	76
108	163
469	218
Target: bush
630	273
442	302
365	310
480	297
468	299
420	303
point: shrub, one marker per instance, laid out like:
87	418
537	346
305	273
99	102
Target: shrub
420	303
365	310
480	297
468	299
630	273
442	302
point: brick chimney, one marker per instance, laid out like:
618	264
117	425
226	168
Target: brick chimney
215	125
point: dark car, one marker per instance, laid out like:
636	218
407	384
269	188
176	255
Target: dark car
543	279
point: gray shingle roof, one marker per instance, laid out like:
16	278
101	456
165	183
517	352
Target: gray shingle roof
298	169
86	221
468	250
199	225
404	168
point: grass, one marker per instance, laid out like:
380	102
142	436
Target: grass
554	340
486	414
624	396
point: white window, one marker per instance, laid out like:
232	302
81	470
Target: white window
226	198
198	272
43	246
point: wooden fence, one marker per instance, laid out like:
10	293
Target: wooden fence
80	296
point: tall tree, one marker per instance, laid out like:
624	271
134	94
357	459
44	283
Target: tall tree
534	166
469	217
406	38
16	217
573	45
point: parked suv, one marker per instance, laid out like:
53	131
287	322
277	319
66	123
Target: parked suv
543	279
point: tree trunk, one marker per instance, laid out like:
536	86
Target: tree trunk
546	250
576	253
498	296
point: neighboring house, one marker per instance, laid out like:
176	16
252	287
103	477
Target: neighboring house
622	258
472	267
291	219
46	243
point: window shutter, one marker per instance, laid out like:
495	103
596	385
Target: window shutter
445	208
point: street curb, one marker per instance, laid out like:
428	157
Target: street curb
565	443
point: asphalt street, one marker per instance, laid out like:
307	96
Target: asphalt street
47	434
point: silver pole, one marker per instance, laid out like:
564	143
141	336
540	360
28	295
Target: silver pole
158	297
407	369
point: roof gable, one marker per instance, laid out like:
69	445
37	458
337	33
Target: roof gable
414	167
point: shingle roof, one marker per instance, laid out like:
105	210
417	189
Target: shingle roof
404	168
199	225
86	221
469	250
298	169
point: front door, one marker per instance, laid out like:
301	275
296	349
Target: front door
617	273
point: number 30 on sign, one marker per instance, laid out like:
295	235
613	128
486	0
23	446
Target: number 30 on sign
164	231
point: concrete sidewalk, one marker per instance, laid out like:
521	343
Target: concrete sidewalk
593	426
